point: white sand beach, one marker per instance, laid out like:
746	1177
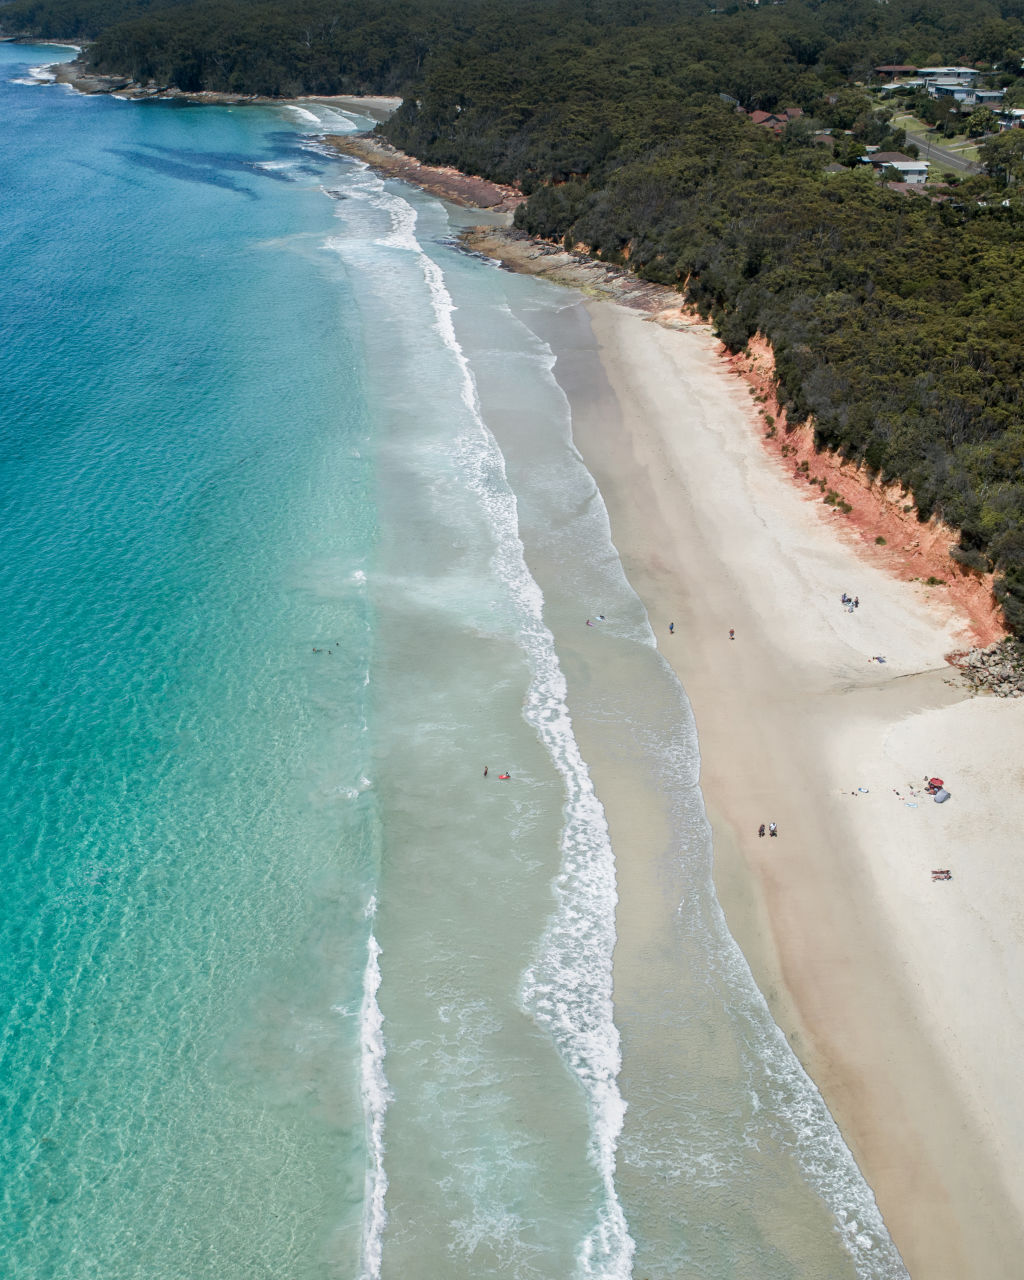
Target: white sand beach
900	994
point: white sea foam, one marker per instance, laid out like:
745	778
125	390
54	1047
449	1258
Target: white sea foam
303	114
782	1098
337	119
46	73
568	988
375	1095
329	119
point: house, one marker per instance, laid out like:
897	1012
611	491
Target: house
965	94
952	75
895	72
901	84
951	89
914	171
775	120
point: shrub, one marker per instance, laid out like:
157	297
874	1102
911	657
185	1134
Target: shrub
970	559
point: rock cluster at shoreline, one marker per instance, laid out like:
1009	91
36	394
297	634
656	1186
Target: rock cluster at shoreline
997	669
519	251
450	184
79	78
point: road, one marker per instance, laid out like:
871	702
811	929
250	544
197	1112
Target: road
940	155
934	151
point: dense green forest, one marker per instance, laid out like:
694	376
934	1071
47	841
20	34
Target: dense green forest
896	319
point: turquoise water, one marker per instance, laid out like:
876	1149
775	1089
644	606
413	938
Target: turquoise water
295	542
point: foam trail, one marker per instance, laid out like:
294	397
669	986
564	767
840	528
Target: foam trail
785	1101
568	989
376	1095
303	113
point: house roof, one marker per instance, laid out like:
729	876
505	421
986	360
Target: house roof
776	117
948	71
893	157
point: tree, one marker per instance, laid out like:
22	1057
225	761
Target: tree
1003	157
982	120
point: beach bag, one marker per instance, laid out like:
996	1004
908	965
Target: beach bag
941	796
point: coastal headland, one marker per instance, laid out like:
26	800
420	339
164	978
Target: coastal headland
900	992
80	78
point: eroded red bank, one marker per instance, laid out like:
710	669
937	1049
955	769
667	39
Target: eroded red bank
882	518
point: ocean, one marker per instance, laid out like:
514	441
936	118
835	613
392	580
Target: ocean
296	544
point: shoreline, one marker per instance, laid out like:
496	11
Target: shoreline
879	519
891	996
445	183
891	988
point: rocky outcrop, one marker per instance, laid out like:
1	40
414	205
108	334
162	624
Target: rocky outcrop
997	669
450	184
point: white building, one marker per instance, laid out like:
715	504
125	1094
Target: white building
951	75
909	170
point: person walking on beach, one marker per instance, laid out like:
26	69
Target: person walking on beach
760	831
773	830
671	628
732	633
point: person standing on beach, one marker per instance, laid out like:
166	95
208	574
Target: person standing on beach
773	830
671	628
760	830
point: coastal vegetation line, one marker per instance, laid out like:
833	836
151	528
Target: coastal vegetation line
895	318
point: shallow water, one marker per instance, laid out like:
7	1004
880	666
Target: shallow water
297	542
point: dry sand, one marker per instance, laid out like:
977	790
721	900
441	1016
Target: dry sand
900	994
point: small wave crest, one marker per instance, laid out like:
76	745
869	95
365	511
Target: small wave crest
302	113
375	1095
